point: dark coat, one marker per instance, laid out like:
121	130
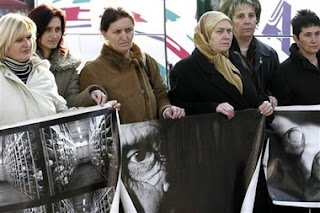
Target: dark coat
199	88
298	80
265	63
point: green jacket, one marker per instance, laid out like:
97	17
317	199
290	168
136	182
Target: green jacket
65	70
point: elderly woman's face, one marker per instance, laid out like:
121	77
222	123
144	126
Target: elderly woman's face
221	36
120	35
244	21
20	50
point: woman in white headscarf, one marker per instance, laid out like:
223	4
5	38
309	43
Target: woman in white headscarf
212	78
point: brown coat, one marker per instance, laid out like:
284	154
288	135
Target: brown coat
126	81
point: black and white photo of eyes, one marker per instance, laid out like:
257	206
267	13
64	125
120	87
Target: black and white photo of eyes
144	160
144	171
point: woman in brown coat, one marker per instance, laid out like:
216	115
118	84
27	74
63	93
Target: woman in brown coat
123	70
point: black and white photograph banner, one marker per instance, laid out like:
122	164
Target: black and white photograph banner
293	169
200	163
204	163
69	162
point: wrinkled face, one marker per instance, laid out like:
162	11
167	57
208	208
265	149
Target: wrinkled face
244	21
309	40
120	35
51	37
221	36
144	171
20	50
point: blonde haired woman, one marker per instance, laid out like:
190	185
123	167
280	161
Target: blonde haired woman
28	88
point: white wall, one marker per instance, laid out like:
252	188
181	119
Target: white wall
83	36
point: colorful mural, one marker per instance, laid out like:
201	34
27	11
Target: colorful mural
152	34
275	24
164	28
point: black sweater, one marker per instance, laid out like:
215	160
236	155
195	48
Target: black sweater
298	80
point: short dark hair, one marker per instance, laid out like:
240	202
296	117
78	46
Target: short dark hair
42	15
112	14
304	18
228	6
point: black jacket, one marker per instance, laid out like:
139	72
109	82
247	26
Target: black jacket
265	63
298	80
199	88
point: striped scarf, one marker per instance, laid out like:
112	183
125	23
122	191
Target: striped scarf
21	69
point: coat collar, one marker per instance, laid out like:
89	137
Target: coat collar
118	60
255	46
217	79
262	48
59	62
297	56
35	61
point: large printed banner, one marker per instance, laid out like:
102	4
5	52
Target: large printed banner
198	163
72	162
64	163
293	171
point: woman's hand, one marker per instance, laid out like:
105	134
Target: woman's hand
173	112
99	97
273	100
266	108
115	104
226	109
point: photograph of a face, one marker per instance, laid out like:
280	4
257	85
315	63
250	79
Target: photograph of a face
200	163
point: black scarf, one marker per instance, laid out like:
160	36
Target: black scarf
251	50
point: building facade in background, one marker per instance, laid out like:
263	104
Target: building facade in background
164	28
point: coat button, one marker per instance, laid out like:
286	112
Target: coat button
141	92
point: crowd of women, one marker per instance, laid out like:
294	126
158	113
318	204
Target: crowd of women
228	70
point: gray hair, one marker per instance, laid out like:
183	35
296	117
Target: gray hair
228	7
